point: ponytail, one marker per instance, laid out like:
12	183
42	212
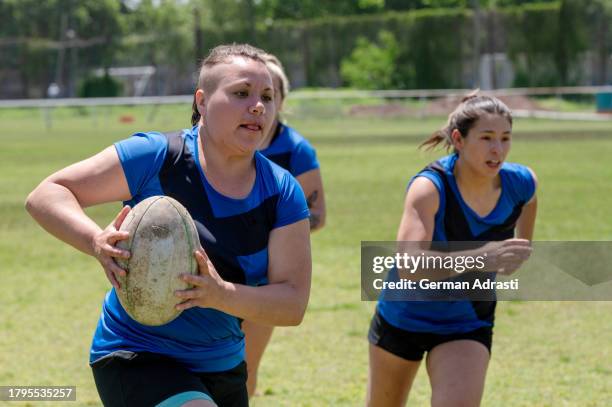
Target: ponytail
439	136
195	115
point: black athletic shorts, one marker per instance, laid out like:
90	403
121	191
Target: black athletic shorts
413	345
128	379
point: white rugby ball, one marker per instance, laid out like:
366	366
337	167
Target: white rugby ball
162	240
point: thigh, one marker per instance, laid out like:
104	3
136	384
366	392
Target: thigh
390	378
256	338
143	379
228	389
457	371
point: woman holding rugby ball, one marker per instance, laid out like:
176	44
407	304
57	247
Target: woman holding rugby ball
252	221
470	195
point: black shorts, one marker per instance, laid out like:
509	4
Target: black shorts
413	345
128	379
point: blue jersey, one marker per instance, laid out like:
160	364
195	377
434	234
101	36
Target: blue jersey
292	151
456	221
233	232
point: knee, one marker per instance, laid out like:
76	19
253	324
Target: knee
455	399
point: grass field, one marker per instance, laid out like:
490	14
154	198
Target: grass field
544	353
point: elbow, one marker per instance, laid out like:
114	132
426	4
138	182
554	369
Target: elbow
296	318
321	222
317	220
30	202
37	200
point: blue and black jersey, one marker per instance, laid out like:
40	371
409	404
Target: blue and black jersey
456	221
233	232
291	150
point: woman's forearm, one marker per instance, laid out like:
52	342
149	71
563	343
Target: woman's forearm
280	304
57	210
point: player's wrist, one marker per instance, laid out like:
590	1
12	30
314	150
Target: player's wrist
222	293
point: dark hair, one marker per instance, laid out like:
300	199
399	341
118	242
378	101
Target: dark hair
219	55
463	118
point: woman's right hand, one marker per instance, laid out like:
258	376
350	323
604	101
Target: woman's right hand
507	256
105	250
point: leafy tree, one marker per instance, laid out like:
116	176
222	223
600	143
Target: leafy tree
52	40
370	65
308	9
598	16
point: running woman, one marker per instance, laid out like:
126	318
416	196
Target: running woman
472	194
252	221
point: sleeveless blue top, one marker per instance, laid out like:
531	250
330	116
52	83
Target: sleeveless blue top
456	221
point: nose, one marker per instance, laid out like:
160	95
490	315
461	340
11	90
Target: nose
496	146
257	108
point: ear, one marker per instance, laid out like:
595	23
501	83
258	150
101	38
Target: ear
457	139
200	102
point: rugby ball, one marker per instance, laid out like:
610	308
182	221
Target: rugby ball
162	240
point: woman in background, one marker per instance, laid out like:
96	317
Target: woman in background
470	195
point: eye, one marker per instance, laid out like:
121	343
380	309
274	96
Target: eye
241	93
487	138
505	139
267	98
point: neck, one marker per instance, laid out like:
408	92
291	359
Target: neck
471	181
230	174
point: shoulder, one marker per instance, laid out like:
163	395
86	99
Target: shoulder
423	191
290	201
433	174
303	156
521	179
142	147
292	137
272	174
152	140
290	134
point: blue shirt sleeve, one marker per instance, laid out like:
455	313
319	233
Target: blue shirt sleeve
430	175
142	156
523	184
292	205
303	159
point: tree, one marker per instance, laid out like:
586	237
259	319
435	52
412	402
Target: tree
52	40
598	16
371	66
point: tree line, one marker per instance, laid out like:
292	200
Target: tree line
322	42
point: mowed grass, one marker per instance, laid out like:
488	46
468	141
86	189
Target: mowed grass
544	353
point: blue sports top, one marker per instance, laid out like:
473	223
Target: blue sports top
233	232
456	221
292	151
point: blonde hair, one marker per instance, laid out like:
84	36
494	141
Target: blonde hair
220	55
276	69
463	118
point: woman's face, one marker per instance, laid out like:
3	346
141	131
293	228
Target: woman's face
487	144
240	110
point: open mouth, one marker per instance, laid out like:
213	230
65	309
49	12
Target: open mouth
251	127
493	163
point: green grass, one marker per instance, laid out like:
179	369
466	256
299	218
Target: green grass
544	353
583	104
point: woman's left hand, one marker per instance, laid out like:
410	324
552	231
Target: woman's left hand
208	286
